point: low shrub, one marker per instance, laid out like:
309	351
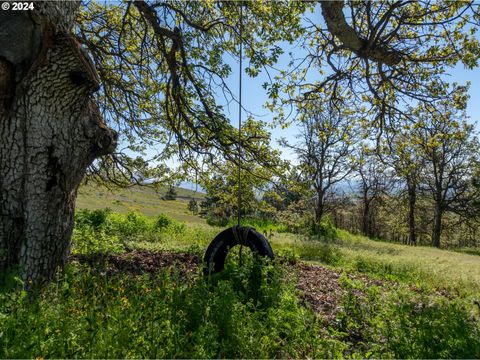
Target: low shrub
163	221
193	206
324	229
261	225
129	224
88	241
220	221
92	218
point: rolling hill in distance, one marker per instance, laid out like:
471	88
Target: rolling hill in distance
143	199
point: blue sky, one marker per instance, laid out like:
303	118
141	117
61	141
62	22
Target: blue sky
254	97
462	75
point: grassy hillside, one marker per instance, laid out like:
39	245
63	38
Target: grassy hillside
417	264
134	288
140	199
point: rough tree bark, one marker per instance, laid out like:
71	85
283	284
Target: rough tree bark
366	216
320	206
437	221
50	131
337	25
412	200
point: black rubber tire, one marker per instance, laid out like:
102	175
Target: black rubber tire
218	249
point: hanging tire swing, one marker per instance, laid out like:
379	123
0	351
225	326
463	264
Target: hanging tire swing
220	246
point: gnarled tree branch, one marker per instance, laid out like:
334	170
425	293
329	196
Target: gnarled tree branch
332	12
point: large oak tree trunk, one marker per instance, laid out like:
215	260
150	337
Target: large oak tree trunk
412	199
437	224
366	230
320	207
50	131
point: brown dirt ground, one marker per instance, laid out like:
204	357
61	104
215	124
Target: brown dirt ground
321	290
138	262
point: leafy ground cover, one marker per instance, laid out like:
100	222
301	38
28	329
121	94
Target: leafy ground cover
135	288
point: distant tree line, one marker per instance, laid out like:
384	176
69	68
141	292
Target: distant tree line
417	185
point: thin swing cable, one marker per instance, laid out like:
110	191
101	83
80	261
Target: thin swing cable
239	149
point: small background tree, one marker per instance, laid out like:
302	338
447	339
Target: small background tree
171	194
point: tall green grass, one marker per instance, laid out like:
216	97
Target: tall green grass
420	266
251	310
401	323
85	313
245	312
